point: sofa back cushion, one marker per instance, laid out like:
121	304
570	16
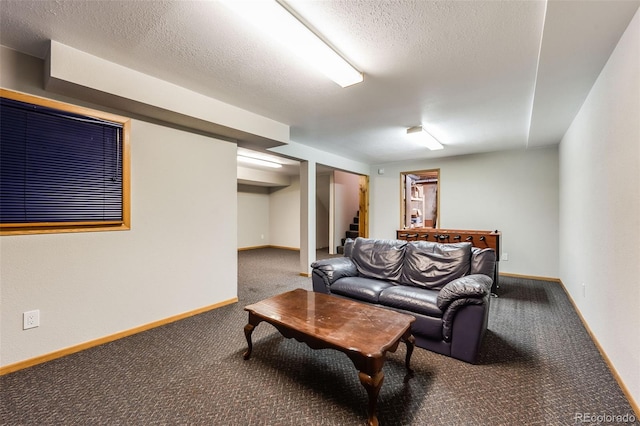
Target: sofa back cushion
380	259
483	261
432	265
348	247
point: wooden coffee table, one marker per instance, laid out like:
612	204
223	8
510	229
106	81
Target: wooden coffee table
365	333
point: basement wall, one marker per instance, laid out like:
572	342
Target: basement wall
600	209
179	256
515	192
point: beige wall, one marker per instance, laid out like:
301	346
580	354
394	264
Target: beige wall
515	192
180	254
253	216
284	215
600	208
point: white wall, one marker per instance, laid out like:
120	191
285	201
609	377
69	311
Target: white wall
284	215
253	216
600	208
265	214
94	284
180	254
515	192
255	177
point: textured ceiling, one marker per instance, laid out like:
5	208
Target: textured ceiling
480	75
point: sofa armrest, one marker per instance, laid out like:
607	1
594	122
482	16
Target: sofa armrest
470	286
450	314
467	290
331	270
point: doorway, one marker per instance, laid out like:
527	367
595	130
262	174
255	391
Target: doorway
347	215
419	207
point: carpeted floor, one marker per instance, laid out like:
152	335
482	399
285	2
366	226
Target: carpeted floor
538	367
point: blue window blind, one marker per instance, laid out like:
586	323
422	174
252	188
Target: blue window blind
58	167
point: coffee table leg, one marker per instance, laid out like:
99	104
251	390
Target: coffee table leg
248	329
372	384
410	342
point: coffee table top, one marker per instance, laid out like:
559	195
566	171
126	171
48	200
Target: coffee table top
339	322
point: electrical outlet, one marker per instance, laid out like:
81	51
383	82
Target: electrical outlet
505	257
31	319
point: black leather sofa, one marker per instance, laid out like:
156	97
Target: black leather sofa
446	287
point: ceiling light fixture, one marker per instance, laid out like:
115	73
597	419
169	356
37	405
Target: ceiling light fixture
420	134
276	20
259	162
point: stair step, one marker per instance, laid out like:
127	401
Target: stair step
356	219
340	249
353	227
342	241
352	234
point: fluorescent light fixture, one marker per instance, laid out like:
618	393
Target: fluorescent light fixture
259	162
421	135
277	21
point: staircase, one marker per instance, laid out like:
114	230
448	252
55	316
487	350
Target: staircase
353	232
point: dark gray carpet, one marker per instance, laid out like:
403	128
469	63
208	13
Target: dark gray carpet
538	367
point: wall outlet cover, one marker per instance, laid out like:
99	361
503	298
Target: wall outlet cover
31	319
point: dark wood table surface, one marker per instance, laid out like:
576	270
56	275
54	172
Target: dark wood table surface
364	333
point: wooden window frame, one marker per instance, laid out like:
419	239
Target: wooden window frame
64	227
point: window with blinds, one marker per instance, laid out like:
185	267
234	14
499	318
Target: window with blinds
62	168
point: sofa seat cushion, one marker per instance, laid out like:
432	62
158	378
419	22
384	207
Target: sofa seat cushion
432	265
420	301
360	288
